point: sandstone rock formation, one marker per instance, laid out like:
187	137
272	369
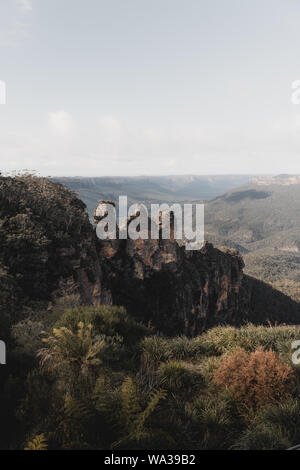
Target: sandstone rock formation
182	291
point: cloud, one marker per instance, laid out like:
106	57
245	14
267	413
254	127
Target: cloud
14	28
60	122
103	145
17	33
110	128
25	5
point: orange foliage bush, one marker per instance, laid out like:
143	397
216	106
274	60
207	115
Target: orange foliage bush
255	378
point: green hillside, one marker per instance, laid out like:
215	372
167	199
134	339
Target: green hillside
151	189
262	219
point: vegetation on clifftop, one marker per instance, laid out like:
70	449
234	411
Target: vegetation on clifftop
43	231
91	387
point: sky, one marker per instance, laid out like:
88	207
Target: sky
149	87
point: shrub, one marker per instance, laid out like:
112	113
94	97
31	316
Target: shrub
136	428
177	378
212	422
262	438
181	347
75	357
154	351
157	349
275	427
106	320
255	378
220	339
208	366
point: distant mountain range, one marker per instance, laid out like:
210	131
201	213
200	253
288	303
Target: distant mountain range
151	189
262	220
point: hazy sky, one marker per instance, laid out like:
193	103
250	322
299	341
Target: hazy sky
126	87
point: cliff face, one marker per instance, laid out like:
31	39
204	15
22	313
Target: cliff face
182	291
176	290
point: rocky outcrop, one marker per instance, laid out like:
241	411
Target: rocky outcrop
177	291
182	291
47	245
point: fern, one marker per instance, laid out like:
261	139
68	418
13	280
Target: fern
72	426
39	442
133	419
130	403
155	398
75	357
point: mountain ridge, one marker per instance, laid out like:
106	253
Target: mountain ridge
264	220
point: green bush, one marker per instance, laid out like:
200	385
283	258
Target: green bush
106	320
177	378
275	427
262	438
154	350
220	340
182	347
212	422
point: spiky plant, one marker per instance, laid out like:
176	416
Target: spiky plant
74	356
211	422
275	427
177	378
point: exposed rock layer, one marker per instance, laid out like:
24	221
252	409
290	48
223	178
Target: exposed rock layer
182	291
